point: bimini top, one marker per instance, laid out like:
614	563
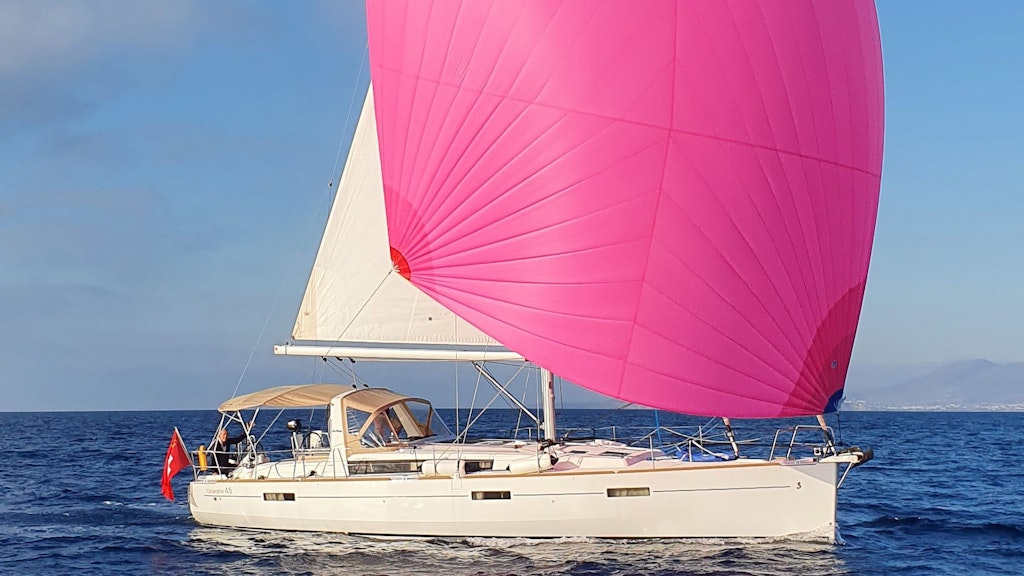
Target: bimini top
301	396
372	399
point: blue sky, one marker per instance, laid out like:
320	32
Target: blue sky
164	171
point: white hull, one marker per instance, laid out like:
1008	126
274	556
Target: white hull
745	498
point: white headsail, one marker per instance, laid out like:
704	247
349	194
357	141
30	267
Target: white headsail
354	296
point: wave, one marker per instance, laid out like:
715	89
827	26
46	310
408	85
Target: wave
922	525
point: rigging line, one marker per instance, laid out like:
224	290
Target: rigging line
348	117
470	422
710	426
305	236
539	406
479	414
472	404
460	436
526	390
259	340
339	370
457	421
839	428
314	367
266	429
612	413
343	369
561	396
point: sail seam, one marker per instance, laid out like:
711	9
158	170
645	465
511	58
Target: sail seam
826	261
537	141
510	98
430	208
749	352
627	358
808	331
408	169
815	307
435	196
746	281
794	347
550	198
818	304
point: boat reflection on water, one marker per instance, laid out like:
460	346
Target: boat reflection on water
263	552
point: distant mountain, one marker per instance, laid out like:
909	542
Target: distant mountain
968	385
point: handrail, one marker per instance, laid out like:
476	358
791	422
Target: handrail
817	449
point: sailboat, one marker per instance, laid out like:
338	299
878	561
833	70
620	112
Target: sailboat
670	203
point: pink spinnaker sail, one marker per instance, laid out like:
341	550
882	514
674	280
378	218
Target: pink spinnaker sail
667	202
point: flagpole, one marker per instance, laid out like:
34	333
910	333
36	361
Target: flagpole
182	441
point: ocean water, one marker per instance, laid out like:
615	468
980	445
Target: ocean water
80	494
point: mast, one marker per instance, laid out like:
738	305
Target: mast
548	382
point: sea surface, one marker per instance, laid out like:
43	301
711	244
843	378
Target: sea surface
80	494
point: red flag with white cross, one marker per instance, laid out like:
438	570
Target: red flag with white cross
175	461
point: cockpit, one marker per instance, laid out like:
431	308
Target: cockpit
342	421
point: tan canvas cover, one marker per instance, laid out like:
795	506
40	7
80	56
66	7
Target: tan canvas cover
302	396
370	399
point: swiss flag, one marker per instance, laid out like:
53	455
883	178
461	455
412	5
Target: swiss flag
176	459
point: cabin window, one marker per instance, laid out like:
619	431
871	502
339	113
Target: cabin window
505	495
627	492
470	466
382	467
279	496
